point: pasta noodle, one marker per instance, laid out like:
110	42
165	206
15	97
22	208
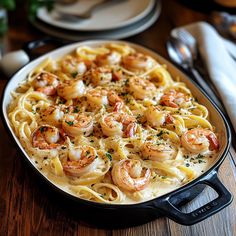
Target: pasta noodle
110	124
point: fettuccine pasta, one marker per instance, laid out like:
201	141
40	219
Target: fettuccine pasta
111	125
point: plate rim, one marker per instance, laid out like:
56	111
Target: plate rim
129	31
128	22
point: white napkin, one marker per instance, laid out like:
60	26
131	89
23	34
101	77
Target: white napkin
219	62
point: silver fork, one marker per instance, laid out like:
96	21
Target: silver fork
85	15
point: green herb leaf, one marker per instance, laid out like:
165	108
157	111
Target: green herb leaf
42	129
160	133
201	161
74	74
199	156
76	110
70	123
108	155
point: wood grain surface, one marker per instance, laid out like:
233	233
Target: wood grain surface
26	205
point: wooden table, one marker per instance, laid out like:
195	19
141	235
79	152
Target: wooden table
26	209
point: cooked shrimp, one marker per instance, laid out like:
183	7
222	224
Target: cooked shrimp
71	89
175	99
101	75
199	140
77	124
156	117
81	160
130	175
115	100
45	83
73	66
138	61
141	88
46	137
119	124
98	97
111	58
53	115
157	151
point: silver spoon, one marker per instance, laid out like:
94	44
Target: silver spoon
182	56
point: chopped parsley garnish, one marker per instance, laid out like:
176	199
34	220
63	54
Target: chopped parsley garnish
124	94
199	156
127	100
87	153
76	110
108	155
74	74
33	111
160	133
163	177
70	123
42	129
201	161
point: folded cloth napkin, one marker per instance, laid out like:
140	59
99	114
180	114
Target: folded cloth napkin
217	54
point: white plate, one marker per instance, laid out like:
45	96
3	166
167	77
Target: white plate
124	32
112	16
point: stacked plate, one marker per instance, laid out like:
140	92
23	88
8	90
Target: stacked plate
116	20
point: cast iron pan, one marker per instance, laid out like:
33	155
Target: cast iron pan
120	216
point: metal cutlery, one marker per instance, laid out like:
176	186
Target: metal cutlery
62	15
189	40
181	54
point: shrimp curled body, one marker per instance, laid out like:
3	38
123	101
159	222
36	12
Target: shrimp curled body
138	61
141	88
46	137
118	124
71	89
53	115
101	75
158	151
45	83
175	99
130	175
80	161
156	117
111	58
199	140
72	66
99	97
77	124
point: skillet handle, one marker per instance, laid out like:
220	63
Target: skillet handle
212	207
13	61
31	45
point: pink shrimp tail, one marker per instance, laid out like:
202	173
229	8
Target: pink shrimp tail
130	130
